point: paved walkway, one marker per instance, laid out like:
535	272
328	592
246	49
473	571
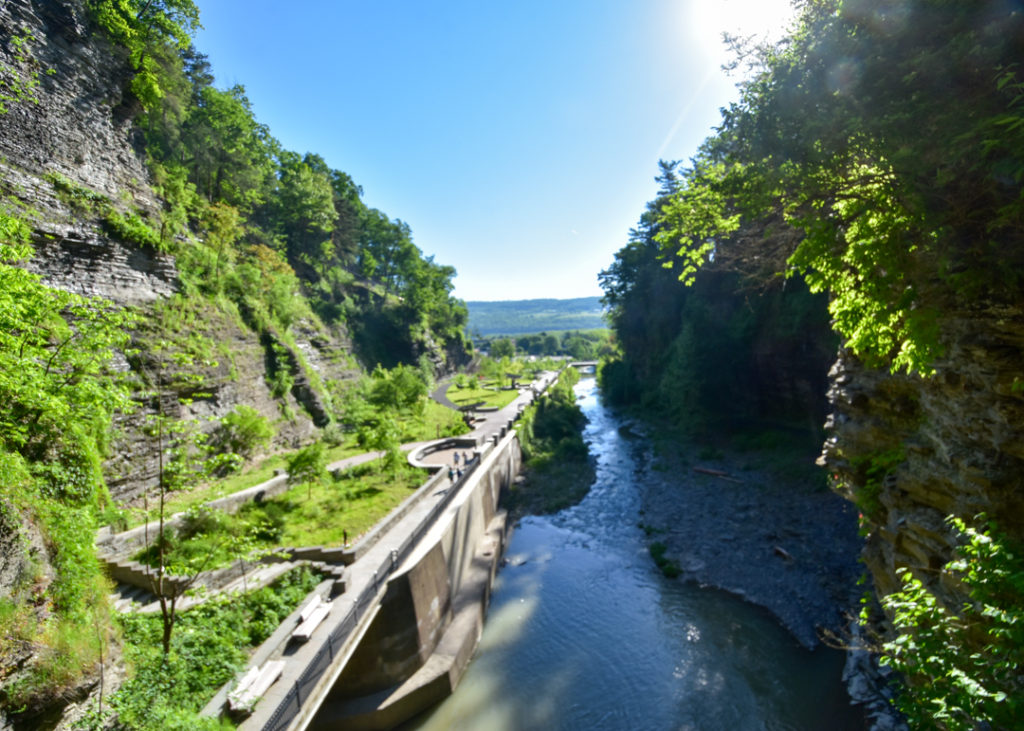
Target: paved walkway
439	394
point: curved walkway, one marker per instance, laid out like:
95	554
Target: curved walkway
440	394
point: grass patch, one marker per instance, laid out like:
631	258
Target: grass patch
185	500
353	503
438	421
490	396
306	515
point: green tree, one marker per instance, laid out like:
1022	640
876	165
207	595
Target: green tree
142	25
57	390
948	686
59	393
402	389
308	466
383	436
502	348
183	458
906	195
304	209
244	430
230	156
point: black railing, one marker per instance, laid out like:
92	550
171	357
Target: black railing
300	691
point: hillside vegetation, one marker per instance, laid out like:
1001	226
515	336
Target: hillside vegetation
287	312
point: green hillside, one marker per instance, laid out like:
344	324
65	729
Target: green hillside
518	317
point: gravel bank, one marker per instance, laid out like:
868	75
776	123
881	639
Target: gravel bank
783	542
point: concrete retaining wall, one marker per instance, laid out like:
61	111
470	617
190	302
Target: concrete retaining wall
432	613
115	545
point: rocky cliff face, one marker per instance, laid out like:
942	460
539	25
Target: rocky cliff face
79	127
913	450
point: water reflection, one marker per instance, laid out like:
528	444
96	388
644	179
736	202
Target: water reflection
584	633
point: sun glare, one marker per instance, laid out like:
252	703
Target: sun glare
764	19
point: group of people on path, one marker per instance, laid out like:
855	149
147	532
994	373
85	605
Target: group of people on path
455	470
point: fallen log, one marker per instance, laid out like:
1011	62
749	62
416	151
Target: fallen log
720	474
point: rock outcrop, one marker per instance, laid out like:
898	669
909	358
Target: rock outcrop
76	123
71	142
914	450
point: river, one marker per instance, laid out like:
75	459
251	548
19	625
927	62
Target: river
584	632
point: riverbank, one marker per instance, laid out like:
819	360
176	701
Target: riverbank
771	534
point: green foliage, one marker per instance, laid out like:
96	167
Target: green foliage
559	470
502	348
872	470
669	567
693	217
401	389
244	430
142	26
19	83
679	349
59	394
132	228
963	664
353	502
275	225
383	436
55	348
167	692
308	466
906	197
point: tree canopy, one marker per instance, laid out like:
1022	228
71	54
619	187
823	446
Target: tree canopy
221	172
890	136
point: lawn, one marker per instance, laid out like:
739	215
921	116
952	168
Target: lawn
319	515
474	394
438	421
306	515
183	500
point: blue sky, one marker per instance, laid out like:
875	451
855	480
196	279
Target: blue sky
519	140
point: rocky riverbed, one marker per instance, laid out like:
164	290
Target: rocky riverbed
764	526
776	537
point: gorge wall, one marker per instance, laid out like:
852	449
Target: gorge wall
913	450
72	141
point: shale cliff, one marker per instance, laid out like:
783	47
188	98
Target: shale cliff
71	160
911	450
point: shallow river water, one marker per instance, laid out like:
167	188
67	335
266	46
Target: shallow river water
584	632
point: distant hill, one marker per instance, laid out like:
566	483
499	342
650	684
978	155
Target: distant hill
521	317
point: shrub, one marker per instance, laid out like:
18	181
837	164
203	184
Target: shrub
245	430
963	664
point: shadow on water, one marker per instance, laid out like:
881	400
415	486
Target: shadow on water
583	632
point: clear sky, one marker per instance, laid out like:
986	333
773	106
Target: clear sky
518	139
